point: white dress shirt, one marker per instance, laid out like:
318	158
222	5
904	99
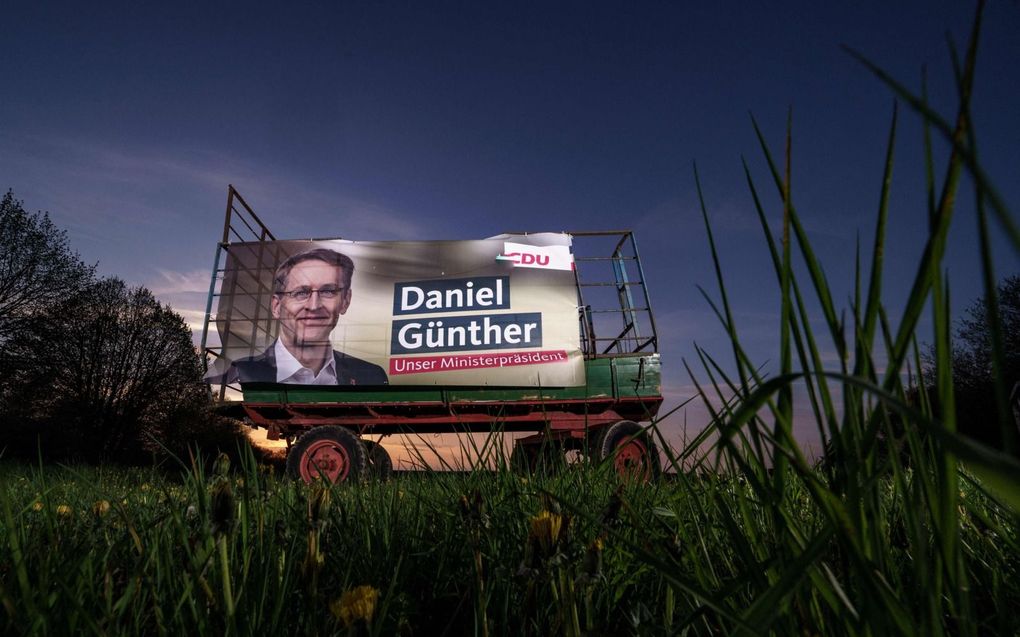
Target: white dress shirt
290	370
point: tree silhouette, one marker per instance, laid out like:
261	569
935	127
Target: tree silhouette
91	369
107	369
973	382
37	268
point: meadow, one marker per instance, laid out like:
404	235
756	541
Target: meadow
905	526
142	551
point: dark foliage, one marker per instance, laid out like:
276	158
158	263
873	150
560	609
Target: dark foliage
973	380
105	374
37	268
92	369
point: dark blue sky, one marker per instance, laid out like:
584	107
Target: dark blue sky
460	120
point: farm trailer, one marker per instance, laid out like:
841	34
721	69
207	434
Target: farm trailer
327	427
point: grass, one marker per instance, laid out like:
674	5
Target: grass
905	527
152	562
247	552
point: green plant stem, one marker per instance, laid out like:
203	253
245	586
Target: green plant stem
228	595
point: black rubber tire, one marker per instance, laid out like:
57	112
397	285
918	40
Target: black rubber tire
380	465
630	449
330	452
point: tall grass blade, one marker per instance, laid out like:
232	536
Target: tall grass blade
729	324
815	271
950	132
870	317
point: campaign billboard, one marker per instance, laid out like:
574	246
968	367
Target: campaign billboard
491	312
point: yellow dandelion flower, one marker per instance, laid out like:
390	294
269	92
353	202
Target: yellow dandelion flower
145	487
545	527
356	603
63	511
37	506
101	508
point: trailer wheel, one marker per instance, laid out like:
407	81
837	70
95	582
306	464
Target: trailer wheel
380	465
550	458
328	452
520	460
630	449
545	458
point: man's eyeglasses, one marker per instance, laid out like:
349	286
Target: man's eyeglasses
303	294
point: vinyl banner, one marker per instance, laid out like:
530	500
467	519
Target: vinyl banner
493	312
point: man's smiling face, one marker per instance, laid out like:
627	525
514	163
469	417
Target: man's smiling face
307	322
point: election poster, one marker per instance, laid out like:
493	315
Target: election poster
496	312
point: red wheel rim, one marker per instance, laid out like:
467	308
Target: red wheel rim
632	460
325	458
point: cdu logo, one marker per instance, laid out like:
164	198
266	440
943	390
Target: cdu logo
546	257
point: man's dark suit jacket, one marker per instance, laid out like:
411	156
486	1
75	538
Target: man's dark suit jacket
349	370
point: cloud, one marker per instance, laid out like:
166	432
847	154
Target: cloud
107	186
170	282
186	293
141	208
306	212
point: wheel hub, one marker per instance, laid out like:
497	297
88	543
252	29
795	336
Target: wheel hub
632	460
326	459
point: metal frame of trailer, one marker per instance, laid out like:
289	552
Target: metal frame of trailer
327	424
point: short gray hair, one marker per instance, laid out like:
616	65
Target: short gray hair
332	257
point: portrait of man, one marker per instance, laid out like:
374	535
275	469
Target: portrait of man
311	290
